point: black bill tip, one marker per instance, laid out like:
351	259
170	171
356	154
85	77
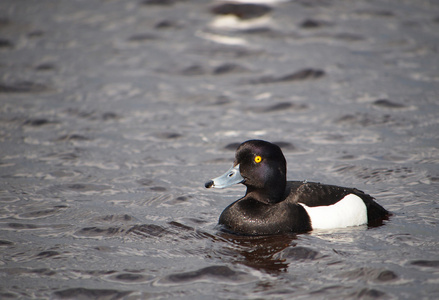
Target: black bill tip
208	184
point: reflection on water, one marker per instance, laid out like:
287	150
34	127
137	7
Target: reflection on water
261	253
113	113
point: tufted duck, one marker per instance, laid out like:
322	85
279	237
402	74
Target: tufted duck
273	205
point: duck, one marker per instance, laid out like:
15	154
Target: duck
273	205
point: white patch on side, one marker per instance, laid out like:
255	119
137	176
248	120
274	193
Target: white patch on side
349	211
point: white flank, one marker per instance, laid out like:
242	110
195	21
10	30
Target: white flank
349	211
231	22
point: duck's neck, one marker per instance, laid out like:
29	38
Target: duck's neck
271	195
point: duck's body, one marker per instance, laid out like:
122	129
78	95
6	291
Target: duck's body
272	205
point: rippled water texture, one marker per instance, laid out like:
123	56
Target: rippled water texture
114	113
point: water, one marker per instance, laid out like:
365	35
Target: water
114	114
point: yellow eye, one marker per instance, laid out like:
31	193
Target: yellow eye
258	159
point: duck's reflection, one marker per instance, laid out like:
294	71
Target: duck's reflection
259	252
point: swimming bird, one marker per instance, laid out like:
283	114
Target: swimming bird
273	205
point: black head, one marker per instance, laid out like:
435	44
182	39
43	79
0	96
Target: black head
263	167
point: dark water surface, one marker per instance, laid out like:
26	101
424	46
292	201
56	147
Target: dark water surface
114	113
